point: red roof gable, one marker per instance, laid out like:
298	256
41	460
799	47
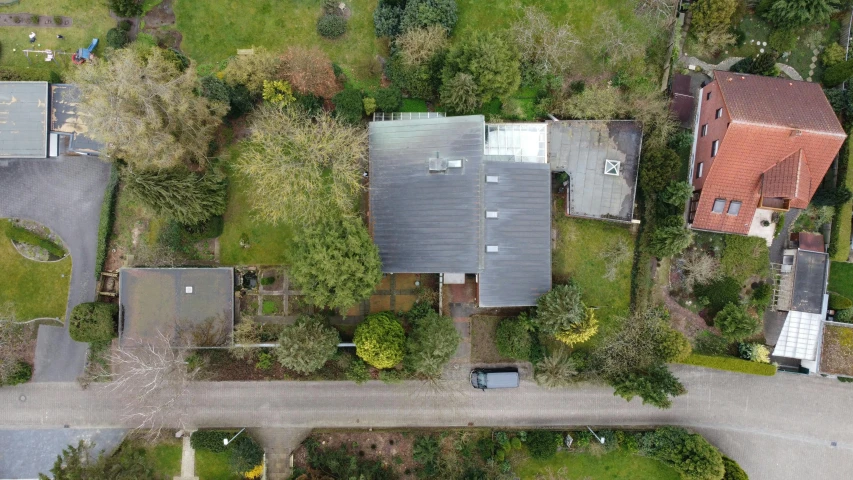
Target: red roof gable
782	133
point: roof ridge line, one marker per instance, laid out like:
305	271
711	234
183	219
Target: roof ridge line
770	125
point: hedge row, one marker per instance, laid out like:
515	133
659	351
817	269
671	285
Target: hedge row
731	364
93	322
210	440
839	238
22	235
105	225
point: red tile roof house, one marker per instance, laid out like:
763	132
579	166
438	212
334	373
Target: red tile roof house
761	145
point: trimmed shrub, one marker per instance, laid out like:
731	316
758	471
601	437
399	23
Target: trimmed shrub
57	19
668	241
388	99
246	454
22	373
735	322
839	302
117	38
754	352
358	372
379	340
22	235
34	19
331	26
386	20
844	316
688	453
542	444
423	13
349	105
125	8
709	343
762	295
306	345
718	293
369	105
513	337
431	344
105	224
730	364
215	89
838	73
744	257
733	470
93	322
832	55
210	440
782	40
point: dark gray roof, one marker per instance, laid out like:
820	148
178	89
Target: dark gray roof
26	453
23	119
66	118
155	300
580	148
809	282
426	222
520	271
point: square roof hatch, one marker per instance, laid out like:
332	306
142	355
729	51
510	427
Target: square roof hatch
611	167
491	249
491	214
437	165
188	289
491	179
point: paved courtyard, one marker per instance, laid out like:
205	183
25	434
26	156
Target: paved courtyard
64	194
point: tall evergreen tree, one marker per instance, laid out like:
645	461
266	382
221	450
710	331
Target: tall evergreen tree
187	197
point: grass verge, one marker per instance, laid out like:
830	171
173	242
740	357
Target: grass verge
213	466
35	289
166	457
268	244
614	465
841	278
580	255
731	364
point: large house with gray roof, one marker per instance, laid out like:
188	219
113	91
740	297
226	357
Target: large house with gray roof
457	196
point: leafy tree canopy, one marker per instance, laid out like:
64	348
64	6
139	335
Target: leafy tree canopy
689	453
799	13
307	345
187	197
335	262
490	60
423	13
431	344
559	309
79	462
735	322
655	386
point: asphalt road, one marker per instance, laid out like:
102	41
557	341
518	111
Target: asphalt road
777	428
66	195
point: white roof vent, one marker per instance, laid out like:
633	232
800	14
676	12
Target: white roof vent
188	289
491	249
491	214
437	165
611	167
491	179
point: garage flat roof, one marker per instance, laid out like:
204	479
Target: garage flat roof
173	301
23	119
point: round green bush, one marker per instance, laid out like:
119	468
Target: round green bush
844	316
117	38
379	340
513	338
389	99
125	25
215	89
331	26
93	322
349	105
733	470
542	444
839	302
22	373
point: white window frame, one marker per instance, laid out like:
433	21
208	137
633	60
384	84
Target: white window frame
700	169
704	130
715	148
718	113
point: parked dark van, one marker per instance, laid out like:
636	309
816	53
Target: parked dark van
484	378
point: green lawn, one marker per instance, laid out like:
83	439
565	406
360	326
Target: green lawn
841	278
578	256
615	465
90	20
213	31
213	466
166	457
268	244
35	289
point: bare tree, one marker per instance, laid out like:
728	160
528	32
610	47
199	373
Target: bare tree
309	70
635	345
302	170
661	10
419	45
615	41
615	255
211	332
712	41
543	45
145	109
246	333
699	267
152	382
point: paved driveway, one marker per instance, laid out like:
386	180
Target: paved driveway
778	428
66	195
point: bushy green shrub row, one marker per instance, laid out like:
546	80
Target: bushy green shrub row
22	235
210	440
731	364
22	373
105	224
839	302
839	236
245	453
93	322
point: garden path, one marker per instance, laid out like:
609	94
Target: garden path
726	64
